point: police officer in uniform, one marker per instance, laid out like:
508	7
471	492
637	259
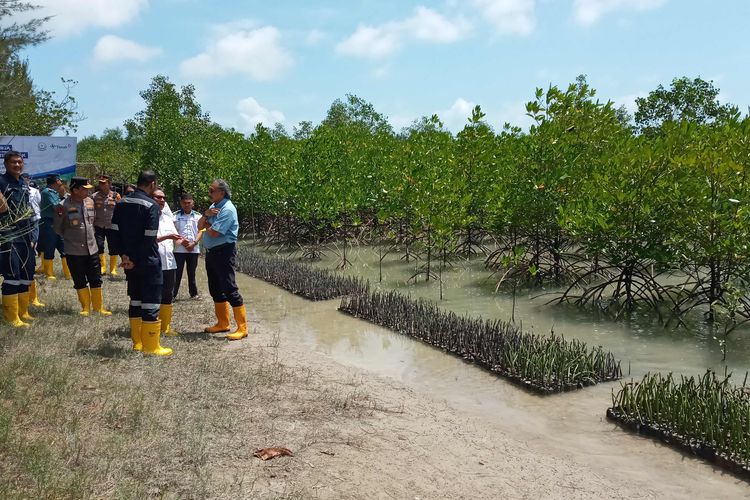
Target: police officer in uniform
104	206
17	259
132	236
74	222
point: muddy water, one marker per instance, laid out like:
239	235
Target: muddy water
570	426
639	340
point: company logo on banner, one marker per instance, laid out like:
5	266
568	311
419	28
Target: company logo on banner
43	155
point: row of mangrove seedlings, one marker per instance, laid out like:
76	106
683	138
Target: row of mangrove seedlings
300	279
542	364
706	416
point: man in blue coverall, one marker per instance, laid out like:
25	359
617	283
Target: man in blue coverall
132	236
17	259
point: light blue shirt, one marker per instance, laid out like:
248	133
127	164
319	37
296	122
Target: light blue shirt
225	222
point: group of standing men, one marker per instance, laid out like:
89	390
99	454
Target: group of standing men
140	229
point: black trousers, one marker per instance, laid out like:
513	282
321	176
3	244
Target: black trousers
220	262
100	234
167	295
85	271
191	260
17	263
144	290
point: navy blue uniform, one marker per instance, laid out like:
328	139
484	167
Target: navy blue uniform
135	222
49	240
17	260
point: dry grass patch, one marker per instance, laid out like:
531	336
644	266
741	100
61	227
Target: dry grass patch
83	416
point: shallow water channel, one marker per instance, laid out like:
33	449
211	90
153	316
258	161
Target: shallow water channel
468	288
569	425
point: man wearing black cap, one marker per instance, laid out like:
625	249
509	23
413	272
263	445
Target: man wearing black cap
49	240
132	236
16	255
74	222
104	205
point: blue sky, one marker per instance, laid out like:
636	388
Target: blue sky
260	61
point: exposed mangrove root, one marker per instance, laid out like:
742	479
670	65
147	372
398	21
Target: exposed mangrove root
528	262
541	364
300	279
627	288
705	416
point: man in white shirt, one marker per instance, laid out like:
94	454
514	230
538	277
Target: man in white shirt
35	200
186	254
166	238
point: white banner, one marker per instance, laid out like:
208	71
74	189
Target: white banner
43	155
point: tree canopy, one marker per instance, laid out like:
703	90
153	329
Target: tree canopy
24	108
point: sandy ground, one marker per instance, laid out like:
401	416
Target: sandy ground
415	445
83	416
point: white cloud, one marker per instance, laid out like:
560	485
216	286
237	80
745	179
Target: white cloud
509	17
377	42
113	48
588	12
71	17
429	26
254	52
252	113
371	43
457	115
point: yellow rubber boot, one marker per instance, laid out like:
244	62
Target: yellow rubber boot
10	311
150	333
84	297
33	296
23	307
40	269
102	264
66	269
97	302
240	317
49	269
222	318
135	333
112	265
165	316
